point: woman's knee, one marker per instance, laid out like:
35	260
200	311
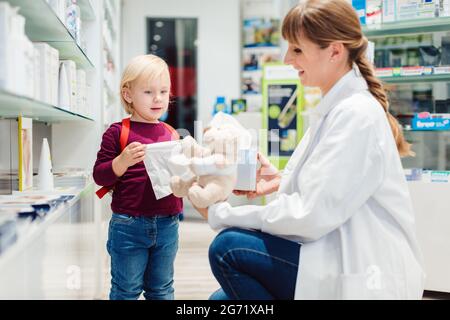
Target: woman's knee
223	242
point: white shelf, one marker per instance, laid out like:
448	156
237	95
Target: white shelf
43	25
37	228
12	105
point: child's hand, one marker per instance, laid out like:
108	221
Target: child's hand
132	154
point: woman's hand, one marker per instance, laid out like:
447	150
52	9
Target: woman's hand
267	180
202	211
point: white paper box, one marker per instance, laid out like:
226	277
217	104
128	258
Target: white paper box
246	170
5	44
49	70
43	50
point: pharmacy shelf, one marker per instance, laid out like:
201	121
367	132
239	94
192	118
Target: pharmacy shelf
407	27
414	79
71	51
37	228
87	12
110	18
112	4
13	105
43	25
110	93
108	48
426	131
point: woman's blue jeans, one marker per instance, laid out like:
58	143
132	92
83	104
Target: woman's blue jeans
142	251
252	265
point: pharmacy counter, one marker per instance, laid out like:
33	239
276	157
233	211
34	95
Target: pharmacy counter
55	257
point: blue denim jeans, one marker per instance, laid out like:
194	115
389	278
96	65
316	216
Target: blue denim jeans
142	254
252	265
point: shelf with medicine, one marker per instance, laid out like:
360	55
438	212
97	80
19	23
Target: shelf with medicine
54	76
261	39
412	58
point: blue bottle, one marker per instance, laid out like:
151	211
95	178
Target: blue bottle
221	105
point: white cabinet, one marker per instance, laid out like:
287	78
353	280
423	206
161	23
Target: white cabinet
432	210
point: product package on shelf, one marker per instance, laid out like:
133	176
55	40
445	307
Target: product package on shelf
68	178
68	85
431	122
417	9
251	82
25	147
360	8
373	12
444	8
81	92
73	20
6	50
389	11
16	53
255	58
49	70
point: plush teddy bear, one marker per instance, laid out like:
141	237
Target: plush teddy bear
207	174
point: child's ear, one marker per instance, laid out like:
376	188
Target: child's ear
127	95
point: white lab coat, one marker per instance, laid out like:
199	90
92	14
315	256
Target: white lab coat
344	196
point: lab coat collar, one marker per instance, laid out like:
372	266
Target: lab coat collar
351	82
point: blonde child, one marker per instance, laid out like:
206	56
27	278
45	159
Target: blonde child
143	231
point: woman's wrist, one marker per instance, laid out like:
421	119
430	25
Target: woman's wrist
276	184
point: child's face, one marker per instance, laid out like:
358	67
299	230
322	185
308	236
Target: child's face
150	98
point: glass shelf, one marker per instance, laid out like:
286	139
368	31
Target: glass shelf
43	25
11	105
412	79
407	27
71	51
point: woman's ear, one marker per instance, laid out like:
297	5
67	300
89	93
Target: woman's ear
337	51
127	95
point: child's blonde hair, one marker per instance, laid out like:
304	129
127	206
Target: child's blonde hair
148	67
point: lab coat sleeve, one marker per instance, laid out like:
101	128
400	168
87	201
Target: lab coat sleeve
343	171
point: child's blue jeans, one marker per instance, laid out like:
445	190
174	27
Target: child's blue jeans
142	251
253	265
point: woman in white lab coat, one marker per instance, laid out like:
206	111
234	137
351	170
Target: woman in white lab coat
342	225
